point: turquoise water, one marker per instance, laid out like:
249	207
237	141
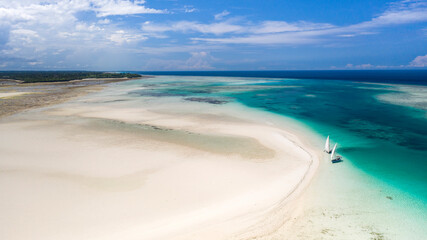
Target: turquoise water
383	138
386	140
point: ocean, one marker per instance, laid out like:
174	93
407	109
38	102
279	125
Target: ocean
416	77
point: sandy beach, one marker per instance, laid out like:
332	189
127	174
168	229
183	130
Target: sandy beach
103	167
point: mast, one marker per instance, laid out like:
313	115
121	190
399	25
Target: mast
327	147
333	152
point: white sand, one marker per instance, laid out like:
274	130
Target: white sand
85	170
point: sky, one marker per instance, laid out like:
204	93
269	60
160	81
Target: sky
170	35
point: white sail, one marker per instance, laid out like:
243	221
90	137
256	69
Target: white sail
327	147
333	152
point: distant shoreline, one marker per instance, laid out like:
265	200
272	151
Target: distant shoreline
17	96
60	76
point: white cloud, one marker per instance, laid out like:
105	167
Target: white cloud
291	33
293	38
281	32
407	11
257	31
189	9
121	7
51	11
403	12
281	26
420	61
34	63
40	28
368	66
24	35
104	21
361	66
88	27
120	37
34	31
187	26
347	35
221	15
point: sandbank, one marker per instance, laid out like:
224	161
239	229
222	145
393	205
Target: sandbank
99	168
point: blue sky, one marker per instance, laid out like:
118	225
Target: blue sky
212	35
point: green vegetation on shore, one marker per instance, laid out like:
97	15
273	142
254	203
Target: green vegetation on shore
60	76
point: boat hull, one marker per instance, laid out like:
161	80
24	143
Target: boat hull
337	160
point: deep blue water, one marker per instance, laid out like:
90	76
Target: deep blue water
385	140
418	77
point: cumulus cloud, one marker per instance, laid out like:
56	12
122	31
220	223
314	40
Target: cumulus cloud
420	61
43	11
36	28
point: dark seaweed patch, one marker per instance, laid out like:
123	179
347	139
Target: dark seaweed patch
206	100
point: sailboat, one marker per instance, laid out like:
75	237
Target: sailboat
327	147
335	158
